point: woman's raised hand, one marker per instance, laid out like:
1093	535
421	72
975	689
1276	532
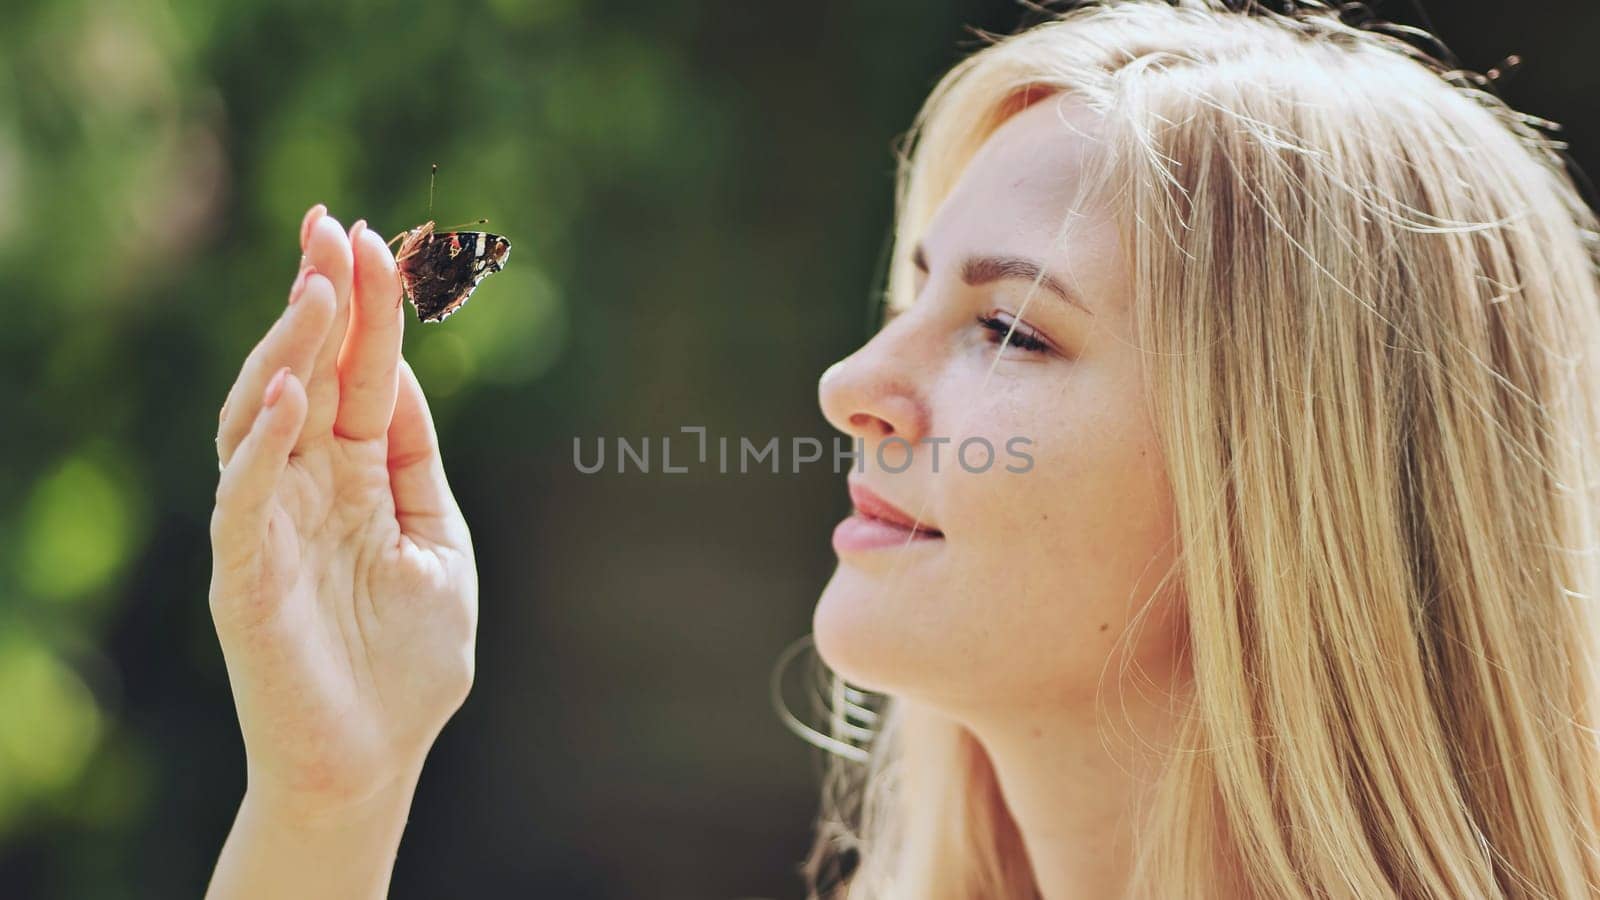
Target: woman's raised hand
343	585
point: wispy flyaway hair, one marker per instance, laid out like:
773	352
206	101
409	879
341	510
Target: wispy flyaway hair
1367	293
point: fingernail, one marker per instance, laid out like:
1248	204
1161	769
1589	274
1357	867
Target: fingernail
306	271
312	215
356	229
274	387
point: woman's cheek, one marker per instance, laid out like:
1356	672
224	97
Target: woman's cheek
1067	497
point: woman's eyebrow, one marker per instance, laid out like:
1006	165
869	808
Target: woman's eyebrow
981	270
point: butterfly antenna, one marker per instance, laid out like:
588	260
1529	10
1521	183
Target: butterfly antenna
463	225
431	179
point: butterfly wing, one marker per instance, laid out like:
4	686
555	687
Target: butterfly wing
443	270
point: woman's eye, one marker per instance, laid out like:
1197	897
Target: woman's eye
999	328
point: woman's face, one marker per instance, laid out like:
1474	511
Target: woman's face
1031	576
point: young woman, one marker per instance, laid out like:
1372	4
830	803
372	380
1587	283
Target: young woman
1297	598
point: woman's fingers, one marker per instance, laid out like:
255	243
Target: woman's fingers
368	374
328	250
292	341
423	504
250	479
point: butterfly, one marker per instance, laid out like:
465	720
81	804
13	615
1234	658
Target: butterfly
440	270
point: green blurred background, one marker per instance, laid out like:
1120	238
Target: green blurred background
698	194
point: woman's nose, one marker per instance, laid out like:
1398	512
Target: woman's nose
863	396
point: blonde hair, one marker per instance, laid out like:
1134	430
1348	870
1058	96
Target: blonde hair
1366	293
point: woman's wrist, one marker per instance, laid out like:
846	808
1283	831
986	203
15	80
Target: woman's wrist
285	845
323	811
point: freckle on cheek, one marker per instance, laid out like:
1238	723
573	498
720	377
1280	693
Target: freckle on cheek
1104	625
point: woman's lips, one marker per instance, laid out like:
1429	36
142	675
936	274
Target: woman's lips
878	523
859	532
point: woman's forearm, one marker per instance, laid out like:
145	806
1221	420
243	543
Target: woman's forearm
276	850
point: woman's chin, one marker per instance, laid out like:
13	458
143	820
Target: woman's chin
859	630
